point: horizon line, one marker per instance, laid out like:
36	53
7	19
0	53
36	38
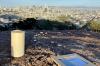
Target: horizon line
50	6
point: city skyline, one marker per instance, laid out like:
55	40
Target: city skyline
72	3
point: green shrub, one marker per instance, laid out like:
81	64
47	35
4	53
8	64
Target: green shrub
94	25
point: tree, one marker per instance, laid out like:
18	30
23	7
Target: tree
63	18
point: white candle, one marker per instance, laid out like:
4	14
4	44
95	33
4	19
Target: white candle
17	43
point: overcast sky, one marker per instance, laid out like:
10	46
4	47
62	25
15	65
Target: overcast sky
14	3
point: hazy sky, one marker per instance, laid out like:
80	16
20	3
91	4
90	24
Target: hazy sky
14	3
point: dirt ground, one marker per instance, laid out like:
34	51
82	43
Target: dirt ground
41	44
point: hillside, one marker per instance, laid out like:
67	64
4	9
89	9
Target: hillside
85	43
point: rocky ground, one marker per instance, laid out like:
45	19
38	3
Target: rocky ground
40	45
